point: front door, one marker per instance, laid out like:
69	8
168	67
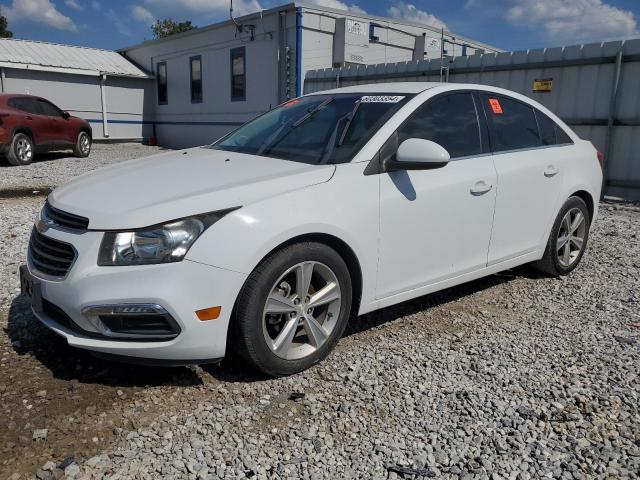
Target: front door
436	224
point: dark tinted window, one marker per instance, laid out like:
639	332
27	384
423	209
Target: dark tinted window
550	131
317	129
25	104
513	124
238	77
451	121
196	79
49	109
161	82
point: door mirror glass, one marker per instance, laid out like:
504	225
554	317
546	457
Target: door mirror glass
418	154
66	115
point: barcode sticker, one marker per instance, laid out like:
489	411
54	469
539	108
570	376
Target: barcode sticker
381	98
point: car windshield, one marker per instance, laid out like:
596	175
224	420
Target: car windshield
318	129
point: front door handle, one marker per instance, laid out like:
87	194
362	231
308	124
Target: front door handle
29	117
480	188
550	171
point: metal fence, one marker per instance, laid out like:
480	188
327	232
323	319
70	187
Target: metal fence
594	88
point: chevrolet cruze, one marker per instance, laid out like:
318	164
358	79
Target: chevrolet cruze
331	205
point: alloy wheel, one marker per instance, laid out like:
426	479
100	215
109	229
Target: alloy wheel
571	235
24	150
85	145
302	310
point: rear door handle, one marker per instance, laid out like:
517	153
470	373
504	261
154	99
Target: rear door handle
550	171
480	188
29	117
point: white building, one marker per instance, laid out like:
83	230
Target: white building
212	79
98	85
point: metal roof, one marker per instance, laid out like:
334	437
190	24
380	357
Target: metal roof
51	57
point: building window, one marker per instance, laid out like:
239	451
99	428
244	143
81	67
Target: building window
196	79
238	77
161	79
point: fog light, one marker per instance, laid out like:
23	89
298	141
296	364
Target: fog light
133	321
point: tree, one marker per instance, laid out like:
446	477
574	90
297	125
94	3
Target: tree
4	33
166	27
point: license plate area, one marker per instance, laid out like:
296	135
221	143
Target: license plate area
31	288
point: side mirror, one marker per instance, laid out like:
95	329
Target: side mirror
66	115
418	154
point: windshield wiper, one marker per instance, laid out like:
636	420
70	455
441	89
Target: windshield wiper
350	119
312	112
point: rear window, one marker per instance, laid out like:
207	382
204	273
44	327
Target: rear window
550	131
512	123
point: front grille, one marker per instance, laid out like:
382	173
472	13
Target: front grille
50	256
65	219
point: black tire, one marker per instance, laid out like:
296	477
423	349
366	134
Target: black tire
82	149
16	154
550	262
247	337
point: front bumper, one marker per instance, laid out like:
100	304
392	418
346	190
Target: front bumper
180	288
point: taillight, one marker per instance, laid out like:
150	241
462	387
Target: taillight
601	159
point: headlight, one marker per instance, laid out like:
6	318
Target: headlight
159	244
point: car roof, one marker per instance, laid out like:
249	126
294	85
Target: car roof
390	87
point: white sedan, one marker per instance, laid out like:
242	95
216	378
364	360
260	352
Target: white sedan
332	205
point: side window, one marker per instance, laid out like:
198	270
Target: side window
196	79
49	109
512	123
238	76
25	104
550	131
450	120
161	82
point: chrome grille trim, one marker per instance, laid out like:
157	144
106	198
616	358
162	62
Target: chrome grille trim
64	219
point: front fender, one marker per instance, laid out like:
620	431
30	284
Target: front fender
346	207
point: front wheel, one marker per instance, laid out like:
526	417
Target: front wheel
568	239
83	145
293	309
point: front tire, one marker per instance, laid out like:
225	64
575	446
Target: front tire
21	150
293	309
568	239
82	148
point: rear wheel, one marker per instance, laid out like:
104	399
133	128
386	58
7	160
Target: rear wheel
568	239
21	150
83	145
293	309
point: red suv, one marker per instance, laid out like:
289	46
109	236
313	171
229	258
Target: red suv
29	124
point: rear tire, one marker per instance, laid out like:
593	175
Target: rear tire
292	309
82	148
21	150
568	239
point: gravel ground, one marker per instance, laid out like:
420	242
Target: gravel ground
513	376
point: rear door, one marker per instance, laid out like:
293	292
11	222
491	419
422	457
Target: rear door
33	119
436	224
529	178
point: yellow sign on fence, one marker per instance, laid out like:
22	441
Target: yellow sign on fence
543	85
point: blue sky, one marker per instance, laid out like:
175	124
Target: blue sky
508	24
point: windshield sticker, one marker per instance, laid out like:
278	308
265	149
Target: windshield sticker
381	98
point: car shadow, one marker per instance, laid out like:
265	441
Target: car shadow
40	157
29	337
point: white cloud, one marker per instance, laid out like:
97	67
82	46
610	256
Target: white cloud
73	4
142	14
200	7
96	5
39	11
338	5
409	12
574	21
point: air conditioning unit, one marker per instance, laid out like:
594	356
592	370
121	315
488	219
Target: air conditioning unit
350	42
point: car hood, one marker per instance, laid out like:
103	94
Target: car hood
177	184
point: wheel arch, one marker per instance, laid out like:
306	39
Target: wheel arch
588	199
343	249
26	130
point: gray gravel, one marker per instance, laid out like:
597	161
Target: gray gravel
516	376
53	169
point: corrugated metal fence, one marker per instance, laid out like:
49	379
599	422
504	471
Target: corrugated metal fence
595	89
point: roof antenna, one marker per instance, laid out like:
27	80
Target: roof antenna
238	26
